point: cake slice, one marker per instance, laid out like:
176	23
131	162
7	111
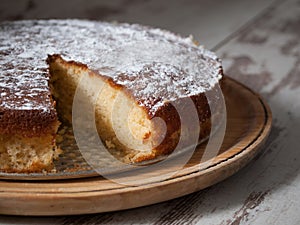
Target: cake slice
122	122
28	122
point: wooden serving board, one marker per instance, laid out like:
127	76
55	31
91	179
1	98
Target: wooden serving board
248	125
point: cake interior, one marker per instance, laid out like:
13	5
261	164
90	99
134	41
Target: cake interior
27	154
122	125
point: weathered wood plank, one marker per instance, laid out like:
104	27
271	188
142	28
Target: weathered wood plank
208	21
266	57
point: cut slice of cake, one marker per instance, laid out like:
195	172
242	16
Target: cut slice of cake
144	80
122	122
28	121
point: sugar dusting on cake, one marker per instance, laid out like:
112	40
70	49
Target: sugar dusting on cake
155	65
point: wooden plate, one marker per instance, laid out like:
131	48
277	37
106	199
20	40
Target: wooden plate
248	125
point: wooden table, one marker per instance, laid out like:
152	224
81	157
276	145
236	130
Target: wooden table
259	42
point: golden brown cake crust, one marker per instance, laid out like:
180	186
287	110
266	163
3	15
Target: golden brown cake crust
28	123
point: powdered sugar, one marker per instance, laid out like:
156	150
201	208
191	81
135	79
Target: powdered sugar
155	65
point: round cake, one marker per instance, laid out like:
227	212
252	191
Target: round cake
143	73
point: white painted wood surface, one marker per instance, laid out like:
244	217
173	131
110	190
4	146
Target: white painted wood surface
259	42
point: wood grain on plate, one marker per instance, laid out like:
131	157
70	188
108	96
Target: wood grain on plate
248	125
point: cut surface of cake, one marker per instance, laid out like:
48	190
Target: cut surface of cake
142	78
